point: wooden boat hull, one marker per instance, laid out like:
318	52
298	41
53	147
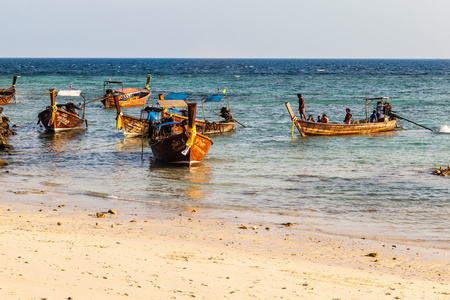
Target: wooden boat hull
6	95
326	129
208	128
134	127
313	129
169	149
138	100
218	127
64	120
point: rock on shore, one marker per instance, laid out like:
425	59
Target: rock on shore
4	134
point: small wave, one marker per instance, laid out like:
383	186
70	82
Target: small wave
445	129
97	194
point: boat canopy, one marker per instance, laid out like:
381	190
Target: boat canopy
127	90
214	98
172	103
176	96
69	93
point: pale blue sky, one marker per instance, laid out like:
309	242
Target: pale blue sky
226	28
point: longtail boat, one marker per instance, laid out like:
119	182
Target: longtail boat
61	117
7	94
384	123
127	96
186	148
134	126
177	100
221	126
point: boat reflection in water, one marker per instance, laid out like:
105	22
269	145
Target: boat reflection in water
59	152
138	144
62	141
182	183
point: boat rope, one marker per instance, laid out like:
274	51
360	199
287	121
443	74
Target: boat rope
27	135
24	100
16	125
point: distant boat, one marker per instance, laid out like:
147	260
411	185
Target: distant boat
61	117
127	96
7	94
172	101
187	148
356	127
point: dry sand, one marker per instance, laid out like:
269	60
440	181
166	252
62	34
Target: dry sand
55	249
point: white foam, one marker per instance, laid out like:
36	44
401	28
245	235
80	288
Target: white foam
445	129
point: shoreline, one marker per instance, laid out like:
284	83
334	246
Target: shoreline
194	253
316	224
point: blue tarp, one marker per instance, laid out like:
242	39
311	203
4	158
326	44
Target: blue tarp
168	123
176	96
214	98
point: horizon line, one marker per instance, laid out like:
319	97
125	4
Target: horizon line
286	58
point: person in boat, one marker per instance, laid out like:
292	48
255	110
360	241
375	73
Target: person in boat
324	119
301	106
387	109
319	120
310	118
373	117
348	116
152	115
71	107
379	109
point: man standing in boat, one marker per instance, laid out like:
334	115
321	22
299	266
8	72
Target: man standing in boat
348	117
301	106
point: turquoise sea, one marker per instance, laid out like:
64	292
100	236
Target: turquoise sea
374	185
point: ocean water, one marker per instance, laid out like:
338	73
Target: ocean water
376	185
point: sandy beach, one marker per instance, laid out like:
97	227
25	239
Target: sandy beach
53	248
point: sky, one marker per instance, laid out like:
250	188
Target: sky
226	28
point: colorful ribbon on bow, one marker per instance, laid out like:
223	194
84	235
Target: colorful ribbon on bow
192	132
53	110
293	124
119	120
147	86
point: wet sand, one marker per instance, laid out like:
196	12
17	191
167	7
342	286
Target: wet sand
55	246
